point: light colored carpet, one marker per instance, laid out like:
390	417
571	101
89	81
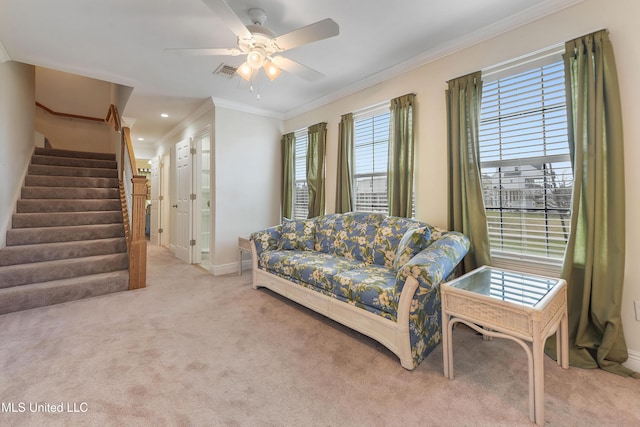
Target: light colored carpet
194	350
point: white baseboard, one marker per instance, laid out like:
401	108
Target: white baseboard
633	362
231	268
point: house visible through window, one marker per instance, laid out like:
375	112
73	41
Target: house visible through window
371	147
526	171
300	190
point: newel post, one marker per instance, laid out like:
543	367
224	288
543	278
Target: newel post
138	247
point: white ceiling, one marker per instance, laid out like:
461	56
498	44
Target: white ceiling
122	41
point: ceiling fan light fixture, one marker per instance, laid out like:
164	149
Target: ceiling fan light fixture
255	59
272	70
245	70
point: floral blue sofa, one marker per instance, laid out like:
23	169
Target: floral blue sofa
377	274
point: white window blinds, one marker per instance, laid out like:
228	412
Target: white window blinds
371	150
301	191
525	166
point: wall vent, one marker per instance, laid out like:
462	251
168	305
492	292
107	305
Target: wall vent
226	71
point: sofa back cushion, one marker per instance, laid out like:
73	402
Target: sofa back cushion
355	233
324	237
298	235
388	237
414	240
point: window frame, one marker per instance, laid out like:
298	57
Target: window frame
526	261
300	187
373	113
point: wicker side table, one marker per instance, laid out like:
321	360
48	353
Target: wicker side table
521	307
244	246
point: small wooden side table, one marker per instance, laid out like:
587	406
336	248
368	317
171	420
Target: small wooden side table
522	307
244	246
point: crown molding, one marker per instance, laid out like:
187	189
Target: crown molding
243	108
128	122
520	19
206	106
4	56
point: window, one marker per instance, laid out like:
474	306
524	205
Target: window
526	171
300	190
371	147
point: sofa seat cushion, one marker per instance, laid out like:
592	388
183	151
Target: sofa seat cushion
369	287
314	268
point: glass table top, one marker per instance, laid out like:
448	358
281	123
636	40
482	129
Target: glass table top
510	286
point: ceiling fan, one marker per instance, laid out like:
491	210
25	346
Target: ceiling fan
261	46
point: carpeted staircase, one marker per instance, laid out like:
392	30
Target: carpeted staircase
67	238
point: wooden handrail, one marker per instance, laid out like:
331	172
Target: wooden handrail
114	116
126	134
71	116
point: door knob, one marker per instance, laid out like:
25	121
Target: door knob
174	206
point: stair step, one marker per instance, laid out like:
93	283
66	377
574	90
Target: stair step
73	162
69	193
12	255
53	170
71	153
24	274
31	236
67	239
35	295
69	181
60	219
62	205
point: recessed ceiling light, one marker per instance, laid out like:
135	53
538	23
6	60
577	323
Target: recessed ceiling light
140	139
165	115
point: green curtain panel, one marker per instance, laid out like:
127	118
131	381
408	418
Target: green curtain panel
344	183
466	207
288	174
315	168
595	255
401	157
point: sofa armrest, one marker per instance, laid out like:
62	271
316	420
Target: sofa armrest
267	239
436	262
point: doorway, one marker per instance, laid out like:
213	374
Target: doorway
203	151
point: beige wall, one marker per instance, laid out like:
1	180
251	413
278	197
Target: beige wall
17	98
73	94
428	82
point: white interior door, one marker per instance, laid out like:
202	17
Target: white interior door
165	197
183	201
155	201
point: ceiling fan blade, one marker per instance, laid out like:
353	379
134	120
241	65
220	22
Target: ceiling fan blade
298	69
203	52
308	34
222	10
